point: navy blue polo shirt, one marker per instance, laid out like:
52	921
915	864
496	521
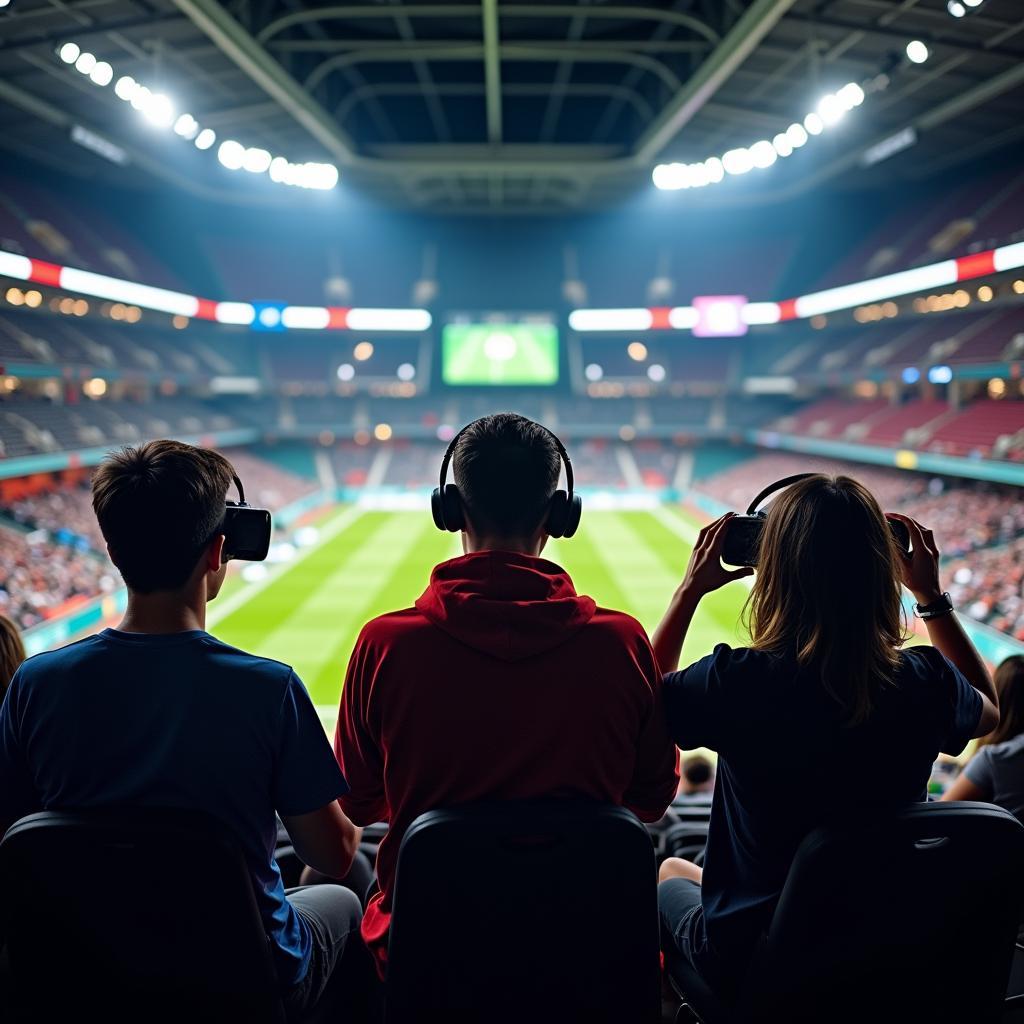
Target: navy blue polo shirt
178	720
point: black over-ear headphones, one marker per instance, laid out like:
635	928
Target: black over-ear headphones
743	534
564	510
246	529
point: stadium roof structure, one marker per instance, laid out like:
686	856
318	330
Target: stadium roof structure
502	105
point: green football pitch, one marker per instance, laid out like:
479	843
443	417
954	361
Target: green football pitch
308	612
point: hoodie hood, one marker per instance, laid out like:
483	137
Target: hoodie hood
504	604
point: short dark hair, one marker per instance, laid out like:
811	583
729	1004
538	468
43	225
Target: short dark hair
158	506
506	467
697	770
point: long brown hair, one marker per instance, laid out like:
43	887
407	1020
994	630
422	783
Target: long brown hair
827	590
12	653
1009	680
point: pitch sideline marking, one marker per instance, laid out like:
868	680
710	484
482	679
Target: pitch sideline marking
242	597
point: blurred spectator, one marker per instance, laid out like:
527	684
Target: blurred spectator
696	780
12	653
996	772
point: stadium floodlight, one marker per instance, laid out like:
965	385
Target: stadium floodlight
85	63
782	145
158	110
762	154
956	8
911	375
405	371
593	372
851	95
917	51
670	177
69	52
125	88
698	175
656	372
186	126
231	154
140	98
411	320
102	74
279	169
611	320
797	135
322	177
115	290
4	3
256	161
814	124
940	375
737	161
234	313
755	313
346	371
714	169
831	109
206	138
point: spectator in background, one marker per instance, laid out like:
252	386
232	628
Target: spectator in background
996	772
823	694
157	711
502	682
12	653
696	780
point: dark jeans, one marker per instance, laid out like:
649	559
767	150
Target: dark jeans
339	985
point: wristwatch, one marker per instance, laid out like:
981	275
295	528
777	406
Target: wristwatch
943	606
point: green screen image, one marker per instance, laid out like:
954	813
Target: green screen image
499	354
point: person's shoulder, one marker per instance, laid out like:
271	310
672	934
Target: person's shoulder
392	626
922	664
732	668
614	623
1009	750
235	659
62	659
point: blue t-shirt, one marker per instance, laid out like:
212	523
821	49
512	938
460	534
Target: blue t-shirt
787	762
177	720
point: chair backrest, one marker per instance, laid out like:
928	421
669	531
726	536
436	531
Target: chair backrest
530	911
910	915
138	914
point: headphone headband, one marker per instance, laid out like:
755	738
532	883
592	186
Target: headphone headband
777	486
450	452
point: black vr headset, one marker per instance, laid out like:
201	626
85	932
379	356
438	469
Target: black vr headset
743	533
246	529
564	510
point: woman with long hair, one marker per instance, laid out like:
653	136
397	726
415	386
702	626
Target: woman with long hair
996	772
824	708
12	653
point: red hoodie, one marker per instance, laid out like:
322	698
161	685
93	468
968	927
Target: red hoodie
501	684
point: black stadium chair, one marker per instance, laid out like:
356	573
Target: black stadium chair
139	915
528	912
909	917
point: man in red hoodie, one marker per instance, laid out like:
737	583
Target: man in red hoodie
502	683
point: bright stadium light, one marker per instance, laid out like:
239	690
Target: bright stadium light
85	63
610	320
593	372
940	375
158	110
125	88
346	371
851	95
102	74
234	313
412	320
206	138
814	124
231	154
782	145
69	52
714	169
405	371
140	98
762	154
917	52
256	161
737	161
656	372
671	177
956	8
186	126
310	318
831	109
797	135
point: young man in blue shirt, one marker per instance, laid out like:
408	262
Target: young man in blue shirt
158	713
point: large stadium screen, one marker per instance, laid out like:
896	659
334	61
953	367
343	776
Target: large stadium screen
499	352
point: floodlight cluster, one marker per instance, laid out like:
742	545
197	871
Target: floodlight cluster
159	110
830	110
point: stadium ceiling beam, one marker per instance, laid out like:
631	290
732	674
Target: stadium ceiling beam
678	19
492	70
369	45
513	52
593	89
740	41
240	47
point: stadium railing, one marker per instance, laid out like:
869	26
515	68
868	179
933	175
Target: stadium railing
899	916
133	915
541	910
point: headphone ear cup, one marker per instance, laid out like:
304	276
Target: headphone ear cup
437	509
574	512
451	502
558	515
